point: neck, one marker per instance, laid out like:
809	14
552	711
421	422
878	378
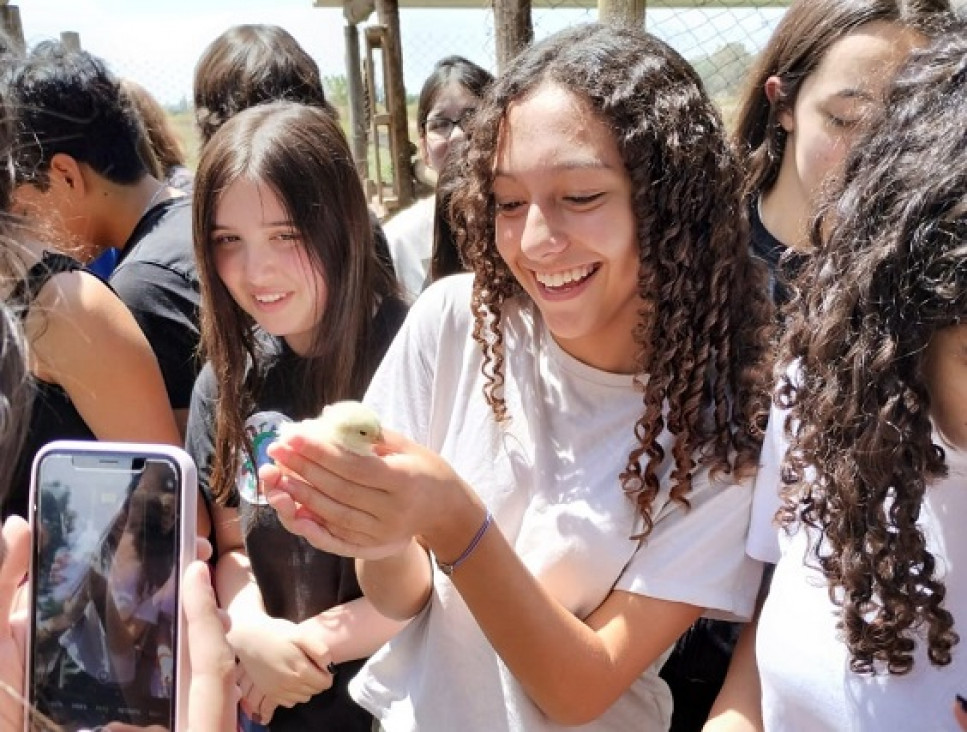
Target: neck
123	206
785	209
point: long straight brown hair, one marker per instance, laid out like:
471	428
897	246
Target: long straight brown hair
808	29
301	154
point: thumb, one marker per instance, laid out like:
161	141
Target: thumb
16	562
394	443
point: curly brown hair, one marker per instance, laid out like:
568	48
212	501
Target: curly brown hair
890	273
702	337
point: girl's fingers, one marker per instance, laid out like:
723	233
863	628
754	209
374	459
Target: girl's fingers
16	538
266	711
328	509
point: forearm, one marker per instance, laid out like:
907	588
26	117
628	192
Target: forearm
212	702
352	630
398	586
572	669
238	593
738	707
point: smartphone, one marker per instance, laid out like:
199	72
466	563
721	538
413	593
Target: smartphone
113	528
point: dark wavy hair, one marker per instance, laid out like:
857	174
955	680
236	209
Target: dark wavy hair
890	272
248	65
301	154
702	336
808	29
450	70
68	102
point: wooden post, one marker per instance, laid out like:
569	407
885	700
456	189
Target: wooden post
388	15
513	28
629	12
10	22
71	40
357	102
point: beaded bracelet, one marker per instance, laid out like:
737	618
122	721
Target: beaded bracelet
448	569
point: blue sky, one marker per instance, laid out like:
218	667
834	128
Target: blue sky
157	43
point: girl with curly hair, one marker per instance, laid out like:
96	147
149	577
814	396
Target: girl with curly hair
571	426
823	70
868	441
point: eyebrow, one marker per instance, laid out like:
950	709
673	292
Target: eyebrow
267	225
854	93
564	166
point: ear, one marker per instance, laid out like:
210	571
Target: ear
67	172
424	154
773	90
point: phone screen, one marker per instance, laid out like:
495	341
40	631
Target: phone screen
105	590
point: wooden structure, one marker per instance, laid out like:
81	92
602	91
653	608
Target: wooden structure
514	31
11	25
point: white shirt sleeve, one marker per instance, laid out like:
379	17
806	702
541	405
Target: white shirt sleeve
763	539
697	555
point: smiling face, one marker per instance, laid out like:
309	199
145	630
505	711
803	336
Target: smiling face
261	259
565	224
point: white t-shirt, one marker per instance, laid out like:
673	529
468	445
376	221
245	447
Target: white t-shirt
409	235
803	664
550	477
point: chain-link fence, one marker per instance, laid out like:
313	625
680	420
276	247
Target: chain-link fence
137	40
719	38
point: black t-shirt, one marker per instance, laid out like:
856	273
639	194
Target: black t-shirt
157	279
296	580
53	415
783	264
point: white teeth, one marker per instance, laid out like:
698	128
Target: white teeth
559	279
269	298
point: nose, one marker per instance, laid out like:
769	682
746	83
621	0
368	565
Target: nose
540	237
259	263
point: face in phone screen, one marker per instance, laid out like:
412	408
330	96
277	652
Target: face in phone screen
105	594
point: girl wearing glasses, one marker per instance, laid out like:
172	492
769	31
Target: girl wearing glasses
449	98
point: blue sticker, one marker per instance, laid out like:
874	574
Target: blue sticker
262	428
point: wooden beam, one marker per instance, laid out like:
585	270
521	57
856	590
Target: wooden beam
630	12
12	26
587	4
513	29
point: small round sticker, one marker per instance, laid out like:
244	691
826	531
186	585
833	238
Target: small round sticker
262	428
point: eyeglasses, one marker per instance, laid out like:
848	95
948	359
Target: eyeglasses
442	127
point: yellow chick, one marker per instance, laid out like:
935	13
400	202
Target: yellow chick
351	425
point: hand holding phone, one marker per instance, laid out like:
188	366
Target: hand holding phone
15	555
113	530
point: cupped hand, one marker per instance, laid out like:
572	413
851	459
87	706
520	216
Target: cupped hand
367	507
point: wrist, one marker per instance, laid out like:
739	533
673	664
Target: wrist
453	547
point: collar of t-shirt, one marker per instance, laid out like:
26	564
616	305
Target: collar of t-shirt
148	221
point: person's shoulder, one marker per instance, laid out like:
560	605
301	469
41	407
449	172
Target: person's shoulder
412	218
448	296
162	240
442	312
206	384
73	292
